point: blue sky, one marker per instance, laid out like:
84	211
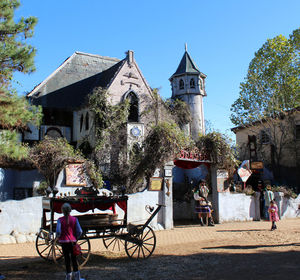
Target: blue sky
222	37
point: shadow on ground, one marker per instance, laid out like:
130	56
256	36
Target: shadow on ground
204	265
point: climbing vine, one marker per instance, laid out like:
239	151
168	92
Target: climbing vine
220	148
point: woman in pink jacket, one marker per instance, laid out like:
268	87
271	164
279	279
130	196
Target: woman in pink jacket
273	213
68	230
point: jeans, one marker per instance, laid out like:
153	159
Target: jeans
266	212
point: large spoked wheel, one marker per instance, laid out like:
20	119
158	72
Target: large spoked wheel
82	258
114	243
140	243
46	246
85	251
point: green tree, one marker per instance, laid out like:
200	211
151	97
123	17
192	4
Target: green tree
268	99
15	53
51	155
272	85
15	56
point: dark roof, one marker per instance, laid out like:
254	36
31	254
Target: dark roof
75	95
281	115
186	65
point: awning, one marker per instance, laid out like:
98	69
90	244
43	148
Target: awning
187	164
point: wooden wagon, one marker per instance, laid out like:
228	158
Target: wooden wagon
139	241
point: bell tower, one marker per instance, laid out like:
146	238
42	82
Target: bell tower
188	84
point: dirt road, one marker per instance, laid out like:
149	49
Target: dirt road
247	250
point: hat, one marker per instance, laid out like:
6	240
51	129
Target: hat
269	187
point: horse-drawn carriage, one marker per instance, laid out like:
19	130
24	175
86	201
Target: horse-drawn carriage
139	241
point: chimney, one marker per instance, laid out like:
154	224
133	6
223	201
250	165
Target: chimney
130	56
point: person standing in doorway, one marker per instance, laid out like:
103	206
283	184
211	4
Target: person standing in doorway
269	196
68	230
202	204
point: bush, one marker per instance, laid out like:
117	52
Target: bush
287	191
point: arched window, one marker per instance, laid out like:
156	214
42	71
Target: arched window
181	84
81	122
87	121
192	83
133	115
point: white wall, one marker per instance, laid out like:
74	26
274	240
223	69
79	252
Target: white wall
24	216
235	207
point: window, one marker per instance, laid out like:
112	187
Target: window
133	115
298	132
81	122
201	84
87	121
265	137
181	84
192	83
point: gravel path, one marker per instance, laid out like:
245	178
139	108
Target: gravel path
247	250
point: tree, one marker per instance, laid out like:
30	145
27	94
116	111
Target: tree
272	85
125	164
51	155
15	55
269	97
15	113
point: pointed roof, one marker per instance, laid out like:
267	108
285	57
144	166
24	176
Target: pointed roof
186	65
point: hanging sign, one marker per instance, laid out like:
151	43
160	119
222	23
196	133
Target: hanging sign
244	170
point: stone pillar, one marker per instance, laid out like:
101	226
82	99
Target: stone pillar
167	197
215	193
278	199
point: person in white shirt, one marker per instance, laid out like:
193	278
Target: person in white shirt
269	196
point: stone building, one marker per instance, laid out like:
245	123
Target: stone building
63	96
273	148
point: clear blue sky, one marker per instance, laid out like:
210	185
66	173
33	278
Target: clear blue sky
222	37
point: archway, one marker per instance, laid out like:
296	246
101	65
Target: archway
189	169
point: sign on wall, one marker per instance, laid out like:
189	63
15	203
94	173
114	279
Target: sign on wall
75	175
155	184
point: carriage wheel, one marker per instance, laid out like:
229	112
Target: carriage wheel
85	251
46	246
113	243
140	243
82	258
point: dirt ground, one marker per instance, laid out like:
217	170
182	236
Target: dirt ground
241	250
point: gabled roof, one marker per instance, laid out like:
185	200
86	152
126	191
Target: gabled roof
75	95
76	68
187	66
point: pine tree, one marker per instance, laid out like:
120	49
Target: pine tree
15	56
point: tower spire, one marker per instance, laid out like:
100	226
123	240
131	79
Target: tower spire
185	46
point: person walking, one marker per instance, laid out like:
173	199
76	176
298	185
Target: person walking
68	230
268	195
202	204
273	213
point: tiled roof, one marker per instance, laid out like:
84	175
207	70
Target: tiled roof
77	67
75	94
